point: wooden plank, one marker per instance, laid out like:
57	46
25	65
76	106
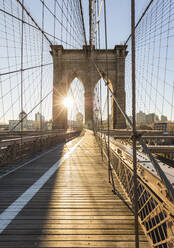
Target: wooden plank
71	244
75	221
83	237
80	218
75	208
27	225
74	212
74	230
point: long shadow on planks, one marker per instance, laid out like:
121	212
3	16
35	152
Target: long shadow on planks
75	208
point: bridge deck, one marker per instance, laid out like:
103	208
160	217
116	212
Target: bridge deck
69	207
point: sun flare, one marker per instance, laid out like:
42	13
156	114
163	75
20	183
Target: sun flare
68	102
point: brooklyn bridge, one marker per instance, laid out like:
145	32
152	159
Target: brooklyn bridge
86	123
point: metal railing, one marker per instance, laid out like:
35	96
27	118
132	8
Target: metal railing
15	149
155	208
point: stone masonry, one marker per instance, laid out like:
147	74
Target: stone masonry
69	64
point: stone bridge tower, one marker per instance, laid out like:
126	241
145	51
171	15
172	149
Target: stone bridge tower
69	64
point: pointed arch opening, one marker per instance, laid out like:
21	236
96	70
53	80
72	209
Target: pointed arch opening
75	104
102	99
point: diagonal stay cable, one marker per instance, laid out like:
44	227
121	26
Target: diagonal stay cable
25	69
27	12
157	167
83	23
31	110
148	6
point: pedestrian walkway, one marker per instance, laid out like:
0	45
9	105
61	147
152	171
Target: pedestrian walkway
73	207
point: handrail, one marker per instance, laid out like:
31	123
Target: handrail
138	136
32	138
155	209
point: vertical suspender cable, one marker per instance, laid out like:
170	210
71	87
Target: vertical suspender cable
101	122
108	122
171	112
41	80
54	21
67	23
139	21
90	22
62	22
22	56
134	122
83	23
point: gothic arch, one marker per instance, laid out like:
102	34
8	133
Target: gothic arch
72	76
69	64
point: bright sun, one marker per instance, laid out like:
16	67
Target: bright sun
68	102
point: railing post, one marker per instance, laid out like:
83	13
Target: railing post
134	137
14	152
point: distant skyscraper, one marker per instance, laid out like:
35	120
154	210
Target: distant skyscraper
141	118
163	118
23	124
39	117
151	118
22	116
39	120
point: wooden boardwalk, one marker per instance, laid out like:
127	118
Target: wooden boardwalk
75	207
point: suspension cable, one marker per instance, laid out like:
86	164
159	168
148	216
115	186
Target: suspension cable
22	58
110	173
83	23
148	6
20	121
23	7
134	137
158	169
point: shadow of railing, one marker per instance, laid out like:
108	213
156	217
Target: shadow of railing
155	209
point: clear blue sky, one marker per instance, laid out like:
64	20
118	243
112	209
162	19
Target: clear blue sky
118	14
118	17
118	24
